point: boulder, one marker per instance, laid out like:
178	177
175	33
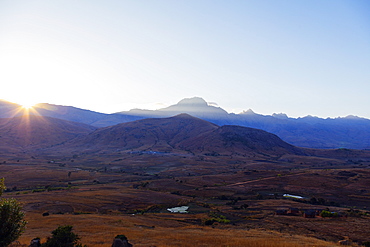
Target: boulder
121	241
35	242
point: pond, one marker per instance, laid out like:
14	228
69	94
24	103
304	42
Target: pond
181	209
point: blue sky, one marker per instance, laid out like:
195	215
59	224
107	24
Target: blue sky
297	57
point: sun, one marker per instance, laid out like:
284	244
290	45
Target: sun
27	106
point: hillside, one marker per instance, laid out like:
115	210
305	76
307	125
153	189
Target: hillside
30	132
182	133
229	139
156	134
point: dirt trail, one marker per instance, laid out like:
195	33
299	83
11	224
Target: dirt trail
262	179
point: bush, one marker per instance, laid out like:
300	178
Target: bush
63	237
366	244
215	217
326	213
121	236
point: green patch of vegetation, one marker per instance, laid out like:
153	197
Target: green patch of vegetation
326	213
55	188
215	217
38	190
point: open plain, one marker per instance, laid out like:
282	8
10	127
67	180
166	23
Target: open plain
232	199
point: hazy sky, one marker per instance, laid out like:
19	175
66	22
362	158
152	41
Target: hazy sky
297	57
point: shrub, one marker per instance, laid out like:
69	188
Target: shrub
63	237
215	217
366	244
326	213
121	236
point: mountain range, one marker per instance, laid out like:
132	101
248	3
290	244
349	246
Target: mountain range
181	134
310	132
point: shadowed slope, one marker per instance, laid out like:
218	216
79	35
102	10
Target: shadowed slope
160	134
30	131
230	139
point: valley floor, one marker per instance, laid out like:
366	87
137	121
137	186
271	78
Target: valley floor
232	202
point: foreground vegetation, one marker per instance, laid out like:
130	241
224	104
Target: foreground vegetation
12	222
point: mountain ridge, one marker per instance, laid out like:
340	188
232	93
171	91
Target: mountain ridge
310	132
182	133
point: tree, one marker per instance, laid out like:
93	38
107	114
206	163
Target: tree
12	222
63	237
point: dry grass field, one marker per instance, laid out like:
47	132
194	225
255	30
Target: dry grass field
129	194
156	230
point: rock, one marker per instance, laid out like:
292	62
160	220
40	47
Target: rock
35	242
121	241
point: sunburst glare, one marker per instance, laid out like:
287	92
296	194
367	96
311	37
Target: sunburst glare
27	106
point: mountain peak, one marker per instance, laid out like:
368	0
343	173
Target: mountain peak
280	115
183	116
249	111
195	101
353	117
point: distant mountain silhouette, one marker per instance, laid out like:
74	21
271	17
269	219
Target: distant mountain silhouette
69	113
196	107
311	132
32	132
82	116
182	133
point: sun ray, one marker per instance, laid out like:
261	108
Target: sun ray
24	115
28	115
27	106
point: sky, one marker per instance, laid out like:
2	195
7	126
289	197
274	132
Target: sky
295	57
